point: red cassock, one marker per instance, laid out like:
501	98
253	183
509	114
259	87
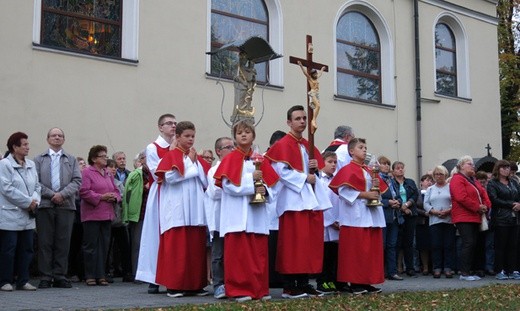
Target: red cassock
300	236
181	262
246	263
360	250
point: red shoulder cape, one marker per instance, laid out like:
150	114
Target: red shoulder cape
232	165
174	159
160	153
287	150
337	143
352	175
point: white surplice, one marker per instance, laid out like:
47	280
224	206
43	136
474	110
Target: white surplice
295	193
212	202
182	197
237	215
331	215
149	247
353	212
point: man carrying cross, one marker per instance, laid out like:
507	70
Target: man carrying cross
299	207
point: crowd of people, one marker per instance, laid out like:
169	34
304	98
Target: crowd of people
252	221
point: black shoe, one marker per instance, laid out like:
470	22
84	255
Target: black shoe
44	284
371	289
357	290
128	278
480	273
293	293
63	283
174	293
342	287
153	289
327	288
109	278
309	290
198	292
410	273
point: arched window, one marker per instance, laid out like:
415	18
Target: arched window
233	20
358	58
446	60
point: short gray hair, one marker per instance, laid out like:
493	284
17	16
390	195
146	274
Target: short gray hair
463	160
341	131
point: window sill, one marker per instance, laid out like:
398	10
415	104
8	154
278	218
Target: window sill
461	99
362	102
109	59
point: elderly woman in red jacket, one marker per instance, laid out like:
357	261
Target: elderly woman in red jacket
469	202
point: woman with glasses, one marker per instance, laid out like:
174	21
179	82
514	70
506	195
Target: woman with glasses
504	194
469	202
98	195
437	203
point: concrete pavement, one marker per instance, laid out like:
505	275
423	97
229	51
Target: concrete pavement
128	295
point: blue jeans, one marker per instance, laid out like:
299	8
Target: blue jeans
390	246
15	245
443	246
490	250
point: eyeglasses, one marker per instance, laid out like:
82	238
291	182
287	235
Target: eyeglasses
208	158
169	123
229	147
102	156
438	174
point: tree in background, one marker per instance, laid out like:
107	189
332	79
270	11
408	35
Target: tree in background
509	62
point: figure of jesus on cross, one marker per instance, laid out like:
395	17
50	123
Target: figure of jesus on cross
313	88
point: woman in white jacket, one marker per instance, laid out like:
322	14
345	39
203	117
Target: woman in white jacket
19	198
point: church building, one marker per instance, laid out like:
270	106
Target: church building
419	79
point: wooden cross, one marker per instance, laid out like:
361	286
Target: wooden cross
488	147
310	65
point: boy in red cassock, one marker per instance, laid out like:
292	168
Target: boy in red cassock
181	262
360	255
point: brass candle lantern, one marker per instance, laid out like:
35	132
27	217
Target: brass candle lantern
258	198
374	166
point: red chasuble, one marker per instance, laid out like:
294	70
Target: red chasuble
287	150
352	175
174	159
232	165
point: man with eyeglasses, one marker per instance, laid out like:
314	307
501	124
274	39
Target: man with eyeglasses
212	196
147	262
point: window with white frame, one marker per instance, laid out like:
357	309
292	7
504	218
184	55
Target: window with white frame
445	60
359	54
233	20
106	28
364	55
451	57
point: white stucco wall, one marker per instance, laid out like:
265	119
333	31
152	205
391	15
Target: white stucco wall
100	102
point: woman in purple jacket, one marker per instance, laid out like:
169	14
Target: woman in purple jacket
98	195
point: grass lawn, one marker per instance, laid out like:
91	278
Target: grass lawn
494	297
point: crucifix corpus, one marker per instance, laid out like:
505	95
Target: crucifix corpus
310	70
